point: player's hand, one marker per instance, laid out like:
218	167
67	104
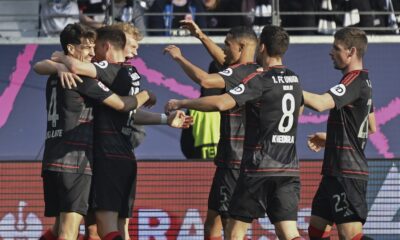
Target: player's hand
172	105
316	141
151	101
67	79
57	56
174	51
190	25
178	119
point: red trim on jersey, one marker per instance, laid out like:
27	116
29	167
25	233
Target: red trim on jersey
249	77
239	138
350	77
61	165
238	162
340	147
240	64
252	147
233	114
119	156
354	172
272	170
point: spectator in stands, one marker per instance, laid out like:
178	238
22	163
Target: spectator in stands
259	13
391	21
174	11
307	22
216	21
132	11
55	15
93	12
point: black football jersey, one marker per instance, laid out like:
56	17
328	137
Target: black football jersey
273	99
347	130
232	130
69	136
113	129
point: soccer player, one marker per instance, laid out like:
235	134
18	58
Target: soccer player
115	164
341	196
269	178
238	57
67	160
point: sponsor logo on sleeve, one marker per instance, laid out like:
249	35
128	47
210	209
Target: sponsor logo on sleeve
339	90
227	72
102	64
239	89
102	86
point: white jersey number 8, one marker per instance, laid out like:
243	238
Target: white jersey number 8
288	107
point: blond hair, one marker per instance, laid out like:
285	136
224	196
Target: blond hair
129	29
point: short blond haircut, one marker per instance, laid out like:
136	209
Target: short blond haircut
129	29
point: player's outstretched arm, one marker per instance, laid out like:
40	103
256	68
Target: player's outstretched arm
318	102
316	141
177	119
205	104
146	98
127	103
213	49
197	74
48	67
74	65
122	104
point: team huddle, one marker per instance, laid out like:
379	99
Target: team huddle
94	99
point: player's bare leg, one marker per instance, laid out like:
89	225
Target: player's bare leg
69	225
91	227
213	226
123	227
351	230
107	222
287	230
236	230
319	228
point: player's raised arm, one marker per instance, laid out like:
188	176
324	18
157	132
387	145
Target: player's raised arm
213	49
198	75
74	65
318	102
205	104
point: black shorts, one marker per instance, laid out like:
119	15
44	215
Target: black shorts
222	188
341	200
114	186
65	192
275	195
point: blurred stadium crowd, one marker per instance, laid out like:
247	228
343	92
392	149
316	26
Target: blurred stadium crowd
32	18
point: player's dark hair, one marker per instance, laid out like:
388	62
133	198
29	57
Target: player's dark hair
73	33
275	40
243	32
112	35
353	37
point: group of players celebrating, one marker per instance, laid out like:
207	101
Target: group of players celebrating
88	159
